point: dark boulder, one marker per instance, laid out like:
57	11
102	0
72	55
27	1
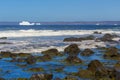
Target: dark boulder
87	52
31	60
72	50
5	54
51	52
13	55
73	59
96	67
39	69
96	32
108	37
43	58
117	66
71	39
85	74
23	54
41	77
3	37
112	53
70	78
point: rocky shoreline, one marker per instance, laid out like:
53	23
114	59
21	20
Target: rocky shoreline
73	54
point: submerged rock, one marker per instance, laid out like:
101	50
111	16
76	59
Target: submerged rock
73	59
36	69
31	60
51	52
41	77
87	52
72	50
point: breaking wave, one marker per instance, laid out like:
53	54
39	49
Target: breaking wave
32	32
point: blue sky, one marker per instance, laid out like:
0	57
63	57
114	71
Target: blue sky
60	10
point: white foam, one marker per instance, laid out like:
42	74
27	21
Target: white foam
32	32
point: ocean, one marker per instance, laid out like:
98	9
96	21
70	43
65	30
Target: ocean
34	39
37	38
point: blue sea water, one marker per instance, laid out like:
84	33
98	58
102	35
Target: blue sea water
34	39
58	27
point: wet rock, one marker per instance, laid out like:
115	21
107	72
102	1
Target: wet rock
36	69
70	78
0	57
87	52
2	79
21	60
31	60
85	74
3	37
5	43
41	77
111	73
12	55
43	58
96	32
117	66
72	50
18	60
112	53
51	52
72	39
59	69
57	79
96	66
23	54
5	54
108	37
90	37
73	59
22	79
117	75
21	65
